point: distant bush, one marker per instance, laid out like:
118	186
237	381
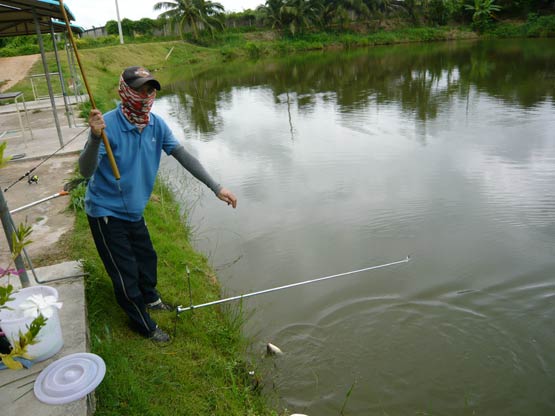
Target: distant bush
283	47
22	45
542	26
253	50
350	41
86	43
535	27
228	53
19	50
507	30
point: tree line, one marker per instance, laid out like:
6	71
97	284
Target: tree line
194	19
297	16
293	17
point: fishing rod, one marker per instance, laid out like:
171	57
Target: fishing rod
44	161
181	309
113	164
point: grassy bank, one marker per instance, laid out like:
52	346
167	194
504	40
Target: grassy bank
202	371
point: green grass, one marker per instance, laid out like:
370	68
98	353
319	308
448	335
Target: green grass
202	371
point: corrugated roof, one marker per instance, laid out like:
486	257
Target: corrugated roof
16	17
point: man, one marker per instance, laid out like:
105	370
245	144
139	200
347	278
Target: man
115	208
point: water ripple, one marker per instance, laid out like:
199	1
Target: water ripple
420	343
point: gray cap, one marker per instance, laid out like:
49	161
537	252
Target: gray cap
137	76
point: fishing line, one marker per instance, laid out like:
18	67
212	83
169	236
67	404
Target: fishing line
42	162
181	309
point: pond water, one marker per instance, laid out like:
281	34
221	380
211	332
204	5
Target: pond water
340	161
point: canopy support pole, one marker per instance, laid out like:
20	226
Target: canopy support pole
47	75
69	112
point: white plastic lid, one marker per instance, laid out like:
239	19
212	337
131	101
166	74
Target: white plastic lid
69	378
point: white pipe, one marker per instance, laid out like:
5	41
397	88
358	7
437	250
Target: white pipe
32	204
248	295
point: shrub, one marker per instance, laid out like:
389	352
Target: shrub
228	53
543	26
19	50
253	50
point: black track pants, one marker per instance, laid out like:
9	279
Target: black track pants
130	261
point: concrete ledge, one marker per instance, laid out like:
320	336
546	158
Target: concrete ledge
16	395
46	143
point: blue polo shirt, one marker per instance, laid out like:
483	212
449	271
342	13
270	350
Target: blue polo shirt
137	155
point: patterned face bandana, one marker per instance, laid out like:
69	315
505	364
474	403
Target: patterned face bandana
135	105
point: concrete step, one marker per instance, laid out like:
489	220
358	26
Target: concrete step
16	386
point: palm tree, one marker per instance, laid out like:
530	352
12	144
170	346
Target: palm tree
196	14
299	14
381	9
272	13
340	11
483	12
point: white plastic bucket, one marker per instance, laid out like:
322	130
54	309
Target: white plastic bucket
49	340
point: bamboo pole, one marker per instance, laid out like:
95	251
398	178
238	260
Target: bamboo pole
113	164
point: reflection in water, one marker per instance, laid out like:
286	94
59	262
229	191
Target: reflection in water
420	79
343	161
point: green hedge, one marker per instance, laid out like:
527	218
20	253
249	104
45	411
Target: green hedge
19	50
535	27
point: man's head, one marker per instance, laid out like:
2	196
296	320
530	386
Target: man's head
137	89
137	76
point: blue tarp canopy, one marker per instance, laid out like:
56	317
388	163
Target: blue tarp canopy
17	17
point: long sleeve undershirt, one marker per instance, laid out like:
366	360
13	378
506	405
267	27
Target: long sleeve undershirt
88	162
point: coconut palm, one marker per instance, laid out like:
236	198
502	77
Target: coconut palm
195	14
271	11
383	8
299	14
340	11
483	12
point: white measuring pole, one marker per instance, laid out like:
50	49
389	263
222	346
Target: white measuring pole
274	289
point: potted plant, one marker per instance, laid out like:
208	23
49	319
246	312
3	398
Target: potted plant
14	352
13	356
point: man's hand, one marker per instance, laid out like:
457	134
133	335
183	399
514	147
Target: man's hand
227	196
96	122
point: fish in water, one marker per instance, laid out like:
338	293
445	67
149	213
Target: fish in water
271	349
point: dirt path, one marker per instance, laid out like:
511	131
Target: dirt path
14	68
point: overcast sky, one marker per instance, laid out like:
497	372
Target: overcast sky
89	13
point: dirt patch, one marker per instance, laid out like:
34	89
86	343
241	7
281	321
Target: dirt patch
14	69
263	36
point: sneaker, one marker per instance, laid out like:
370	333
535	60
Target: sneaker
159	336
159	305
